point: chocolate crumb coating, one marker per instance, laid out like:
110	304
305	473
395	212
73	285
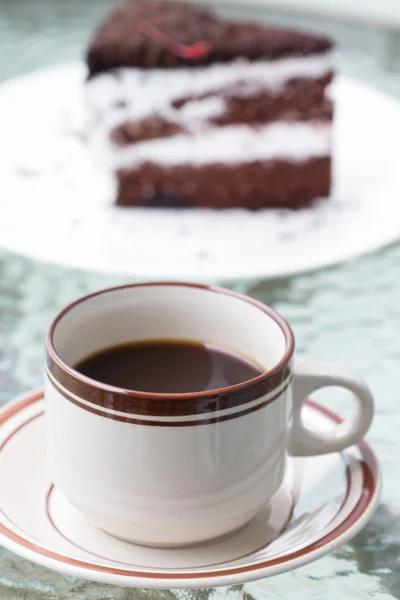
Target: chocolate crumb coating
120	43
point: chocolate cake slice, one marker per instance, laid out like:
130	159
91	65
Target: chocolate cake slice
187	109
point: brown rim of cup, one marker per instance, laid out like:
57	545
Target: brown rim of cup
190	403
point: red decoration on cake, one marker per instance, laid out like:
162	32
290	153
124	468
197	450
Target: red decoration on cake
191	52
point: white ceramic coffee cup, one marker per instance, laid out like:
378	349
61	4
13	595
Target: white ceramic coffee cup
177	469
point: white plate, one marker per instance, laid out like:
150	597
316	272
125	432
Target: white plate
324	501
54	207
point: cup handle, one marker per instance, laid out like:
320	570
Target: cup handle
310	376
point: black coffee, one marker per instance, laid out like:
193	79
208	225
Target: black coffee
169	366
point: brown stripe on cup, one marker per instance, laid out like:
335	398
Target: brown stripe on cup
130	418
166	405
148	404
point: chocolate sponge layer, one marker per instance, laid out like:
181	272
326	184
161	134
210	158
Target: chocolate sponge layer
272	184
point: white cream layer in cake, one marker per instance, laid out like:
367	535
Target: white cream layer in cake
238	144
135	94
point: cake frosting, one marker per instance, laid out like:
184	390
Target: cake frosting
230	145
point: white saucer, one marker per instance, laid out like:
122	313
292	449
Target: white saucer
68	216
323	503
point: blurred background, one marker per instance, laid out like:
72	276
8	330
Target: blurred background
349	313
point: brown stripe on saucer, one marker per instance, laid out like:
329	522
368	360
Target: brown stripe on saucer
54	525
135	421
370	489
16	407
105	558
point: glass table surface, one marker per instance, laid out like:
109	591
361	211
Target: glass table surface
349	314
